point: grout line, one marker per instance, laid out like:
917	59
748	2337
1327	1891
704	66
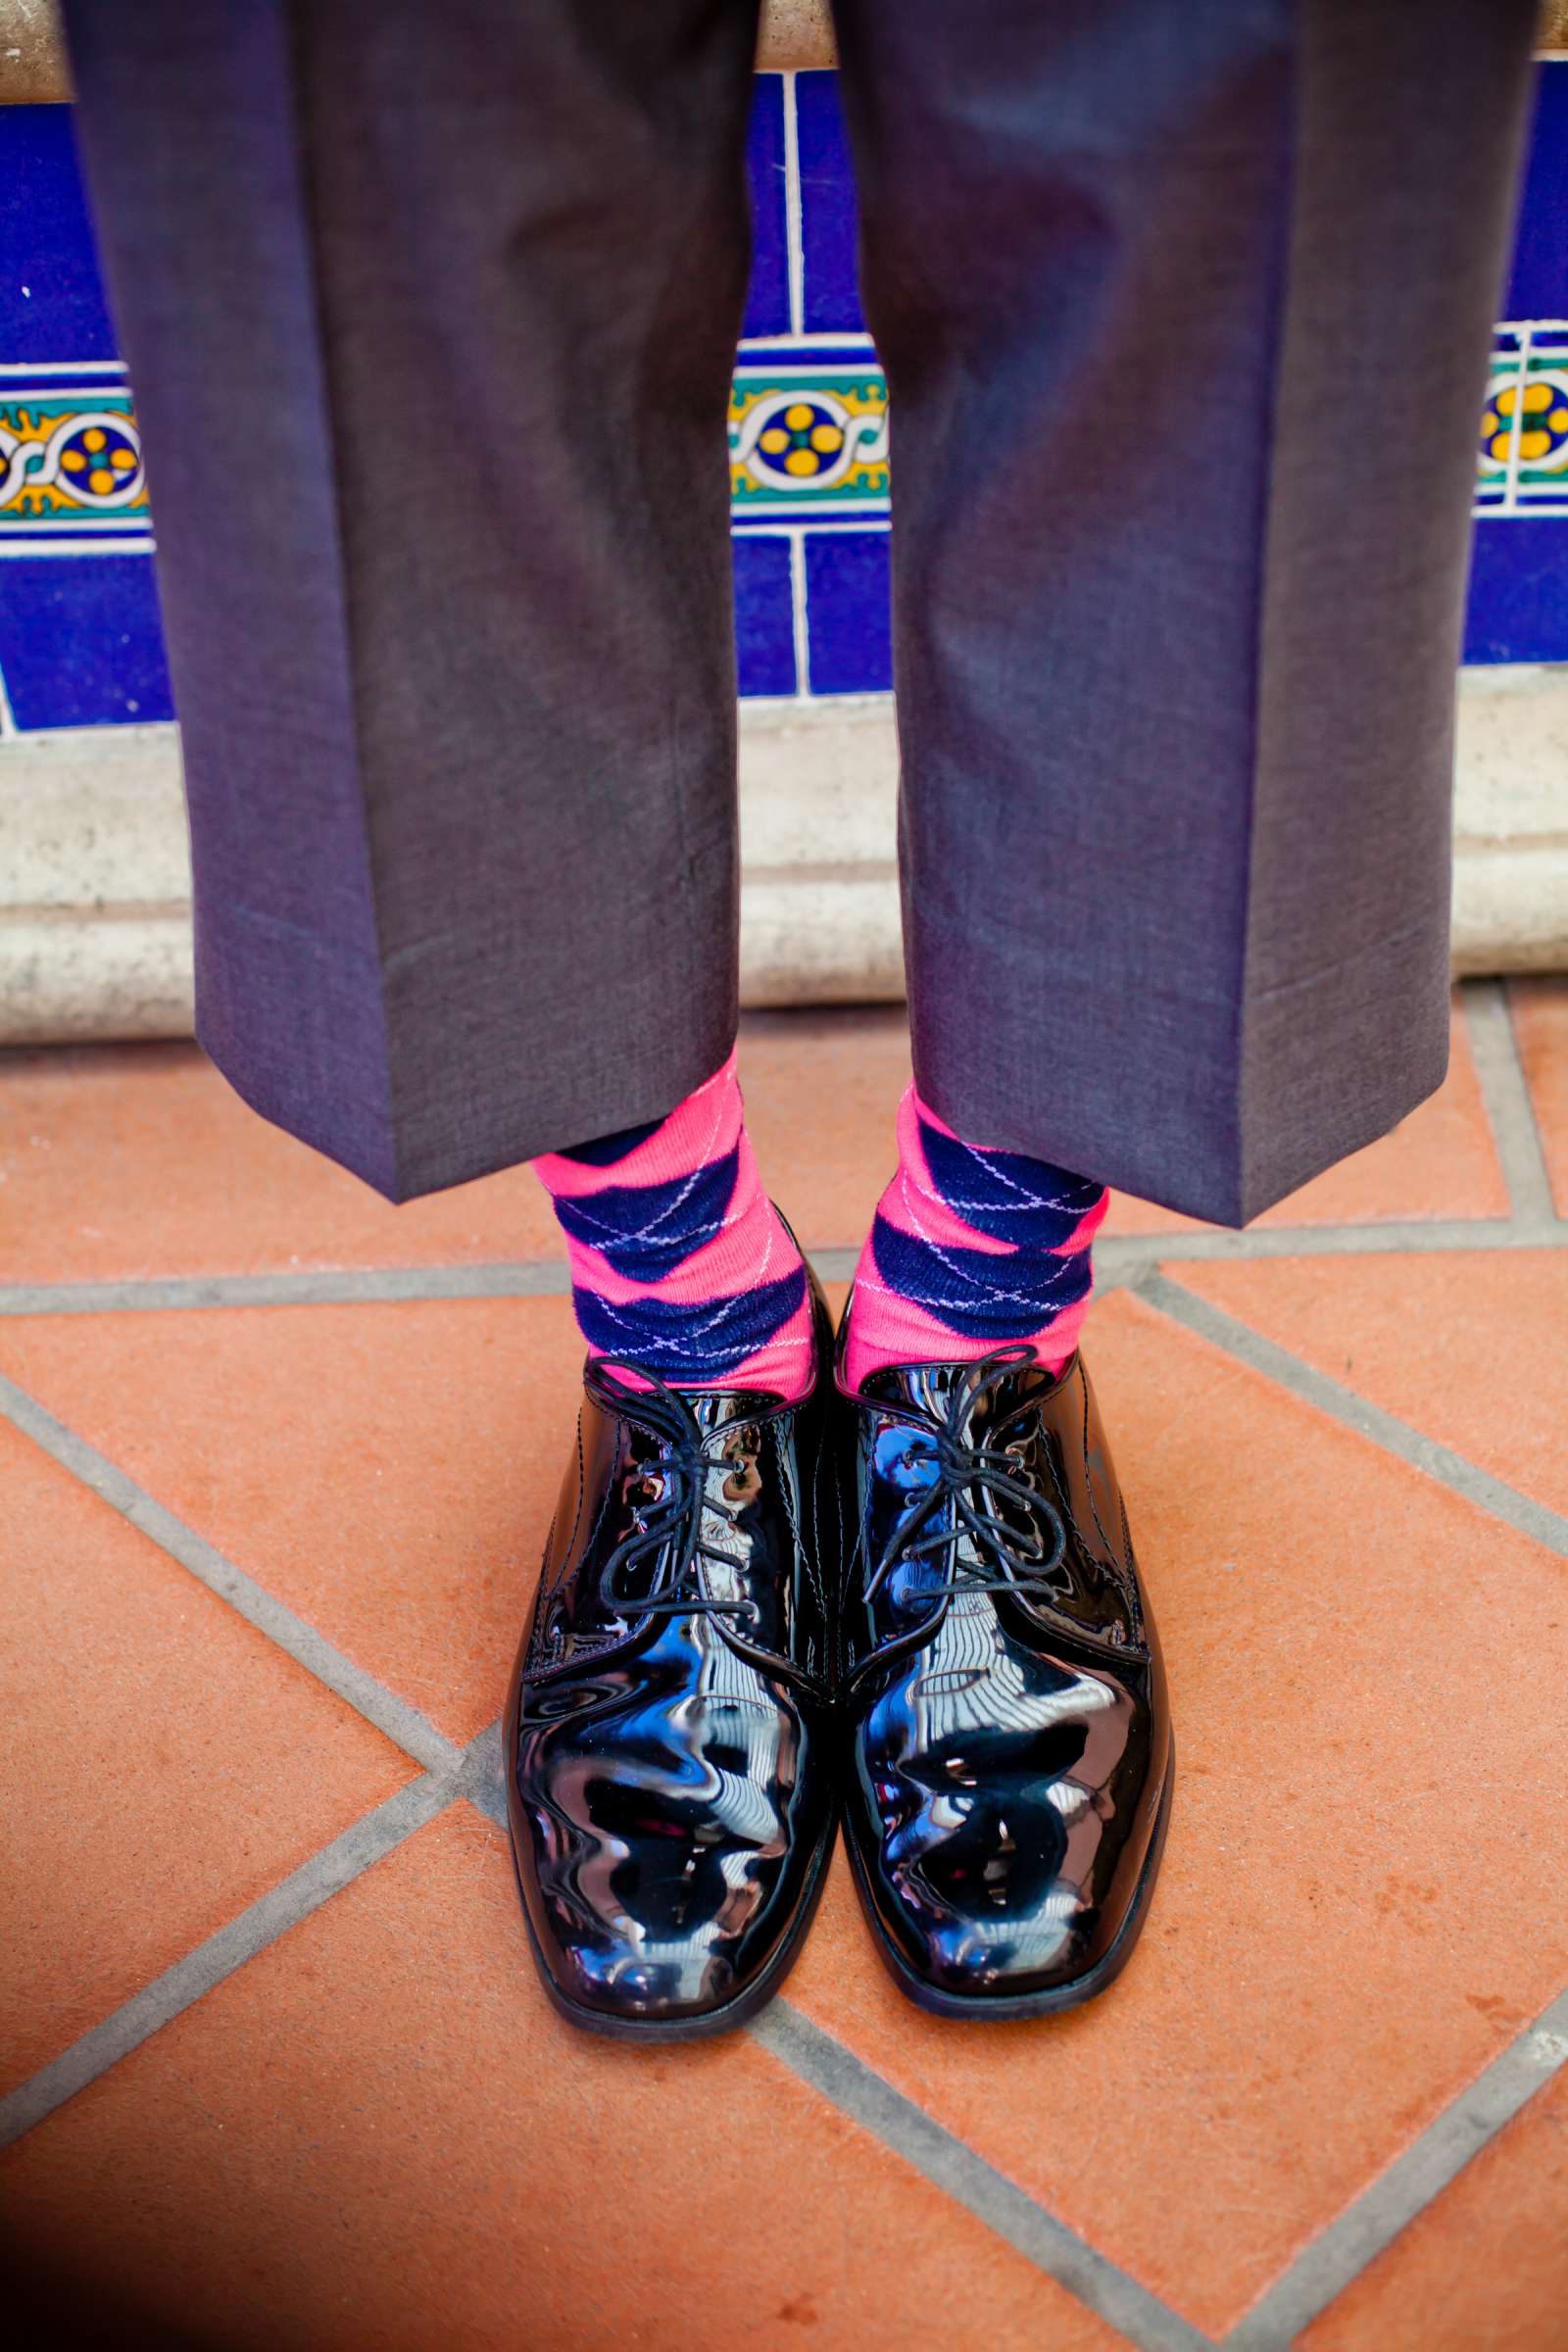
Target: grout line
1310	2283
239	1939
1393	1238
1342	1405
328	1287
1121	1255
794	215
824	521
1520	355
800	619
392	1716
855	2090
481	1779
1132	1251
1324	2269
834	339
834	1265
1505	1093
49	369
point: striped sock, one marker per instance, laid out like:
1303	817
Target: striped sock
680	1262
969	1250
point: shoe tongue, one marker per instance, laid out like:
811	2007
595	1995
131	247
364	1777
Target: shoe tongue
711	1406
929	1387
926	1386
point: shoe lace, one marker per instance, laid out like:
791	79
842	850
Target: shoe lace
677	1497
971	1481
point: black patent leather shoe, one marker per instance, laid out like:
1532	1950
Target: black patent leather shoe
1011	1760
669	1730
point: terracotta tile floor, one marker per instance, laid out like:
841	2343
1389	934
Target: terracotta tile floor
276	2070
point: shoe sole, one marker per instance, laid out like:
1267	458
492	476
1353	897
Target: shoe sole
732	2014
1003	2007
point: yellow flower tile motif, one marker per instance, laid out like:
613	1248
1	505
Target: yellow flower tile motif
1522	454
809	439
68	460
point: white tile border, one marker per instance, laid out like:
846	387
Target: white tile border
793	217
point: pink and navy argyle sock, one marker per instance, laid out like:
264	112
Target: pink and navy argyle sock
680	1262
970	1248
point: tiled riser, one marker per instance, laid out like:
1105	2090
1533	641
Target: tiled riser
79	642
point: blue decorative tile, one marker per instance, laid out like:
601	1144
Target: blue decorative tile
1538	285
808	435
1518	608
50	300
827	209
767	303
79	641
1518	600
71	464
848	622
764	616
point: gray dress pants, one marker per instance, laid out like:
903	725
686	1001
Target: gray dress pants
1185	309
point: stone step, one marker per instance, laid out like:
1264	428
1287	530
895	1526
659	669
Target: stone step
95	881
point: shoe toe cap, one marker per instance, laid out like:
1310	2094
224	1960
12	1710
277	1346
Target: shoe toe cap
616	1979
661	1895
1005	1894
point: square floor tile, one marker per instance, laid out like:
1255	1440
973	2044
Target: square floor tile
1360	1899
377	2134
1439	1162
389	1471
127	1162
164	1763
821	1093
1483	2268
119	1162
1468	1347
1539	1009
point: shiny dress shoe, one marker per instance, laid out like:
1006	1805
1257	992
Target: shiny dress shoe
1009	1771
669	1733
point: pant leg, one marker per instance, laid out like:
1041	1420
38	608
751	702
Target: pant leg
1186	317
430	314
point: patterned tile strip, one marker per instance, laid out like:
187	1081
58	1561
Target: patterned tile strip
807	437
70	461
1522	462
810	438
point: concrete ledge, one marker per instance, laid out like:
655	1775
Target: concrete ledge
1510	844
66	977
798	34
95	887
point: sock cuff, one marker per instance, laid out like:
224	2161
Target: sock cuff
678	1258
705	1127
972	1247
